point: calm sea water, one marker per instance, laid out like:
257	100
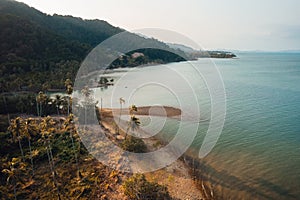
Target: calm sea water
258	153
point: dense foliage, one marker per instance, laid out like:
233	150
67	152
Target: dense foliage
35	47
146	56
43	158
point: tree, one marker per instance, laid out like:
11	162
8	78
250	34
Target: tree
103	81
13	172
69	126
86	92
40	100
29	128
88	101
68	82
122	101
69	90
57	102
134	122
47	128
15	129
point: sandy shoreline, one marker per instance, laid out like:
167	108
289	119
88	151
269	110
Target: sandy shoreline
177	176
162	111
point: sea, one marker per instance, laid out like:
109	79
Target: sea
257	155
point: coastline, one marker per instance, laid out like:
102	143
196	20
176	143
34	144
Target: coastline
179	176
161	111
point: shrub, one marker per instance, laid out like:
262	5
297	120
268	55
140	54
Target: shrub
133	144
137	187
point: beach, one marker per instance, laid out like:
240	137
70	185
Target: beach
161	111
177	176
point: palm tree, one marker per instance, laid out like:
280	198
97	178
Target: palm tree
11	176
69	90
47	127
28	129
68	82
134	122
15	129
69	126
15	166
132	109
57	102
87	100
86	92
40	99
122	101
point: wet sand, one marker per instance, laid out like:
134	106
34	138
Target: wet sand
161	111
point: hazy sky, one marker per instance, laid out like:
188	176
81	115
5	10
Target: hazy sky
223	24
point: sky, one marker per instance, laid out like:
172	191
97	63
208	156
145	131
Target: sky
268	25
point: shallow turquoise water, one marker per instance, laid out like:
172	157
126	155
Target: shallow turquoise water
259	149
258	153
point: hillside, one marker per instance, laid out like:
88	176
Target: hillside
36	47
91	32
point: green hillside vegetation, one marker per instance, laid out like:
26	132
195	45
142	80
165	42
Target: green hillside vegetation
35	47
148	56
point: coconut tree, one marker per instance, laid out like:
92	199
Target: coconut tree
134	122
47	127
68	82
15	166
69	90
40	100
69	126
15	129
29	128
86	92
121	101
132	109
57	101
11	177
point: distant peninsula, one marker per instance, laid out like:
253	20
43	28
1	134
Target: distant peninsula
194	54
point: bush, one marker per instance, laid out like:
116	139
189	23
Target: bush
137	187
133	144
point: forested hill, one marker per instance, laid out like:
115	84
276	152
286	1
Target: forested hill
37	49
91	32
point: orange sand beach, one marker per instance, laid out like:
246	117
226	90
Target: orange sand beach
162	111
177	177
